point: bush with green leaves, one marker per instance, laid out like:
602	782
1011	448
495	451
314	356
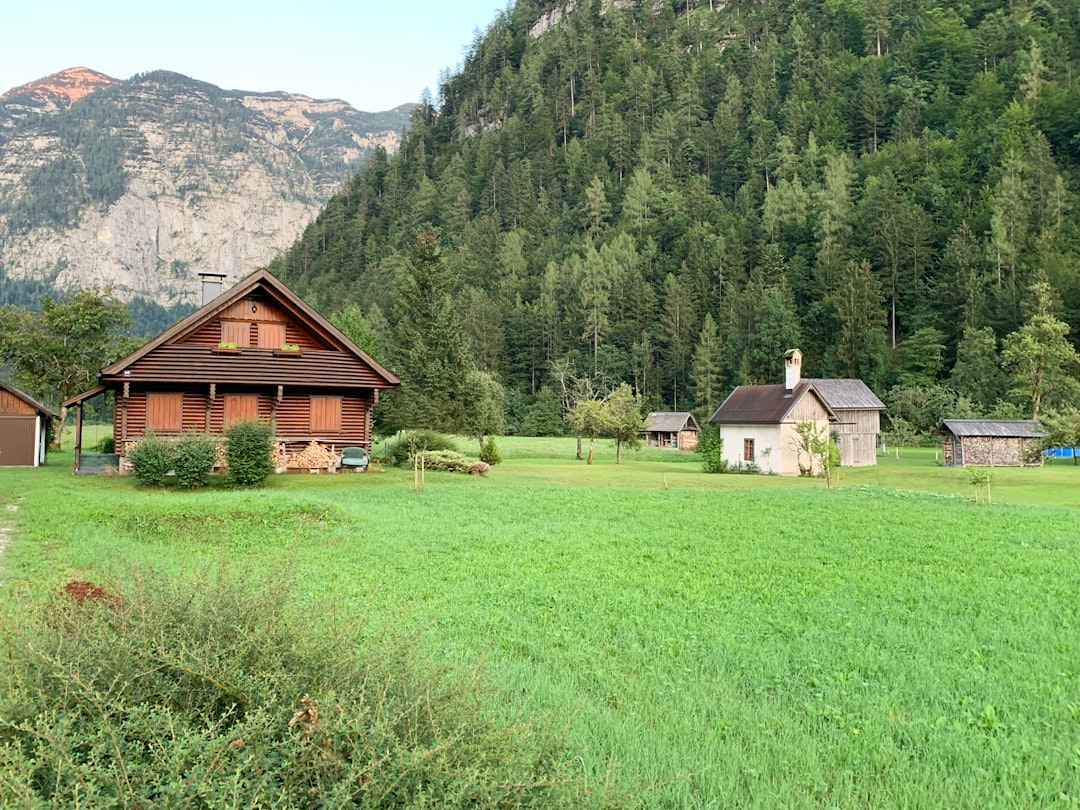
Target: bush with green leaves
450	461
166	692
151	460
711	449
415	441
193	459
249	446
489	453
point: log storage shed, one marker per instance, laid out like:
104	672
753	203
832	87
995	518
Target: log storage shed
23	427
990	442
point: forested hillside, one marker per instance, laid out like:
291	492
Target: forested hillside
671	194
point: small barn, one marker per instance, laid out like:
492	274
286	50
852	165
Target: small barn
990	442
858	413
255	351
23	428
758	423
676	429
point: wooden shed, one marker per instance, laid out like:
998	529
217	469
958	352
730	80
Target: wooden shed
990	442
675	429
256	351
23	428
858	414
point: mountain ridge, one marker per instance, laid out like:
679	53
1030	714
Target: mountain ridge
138	184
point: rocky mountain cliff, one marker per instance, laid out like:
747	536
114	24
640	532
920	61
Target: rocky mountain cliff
141	184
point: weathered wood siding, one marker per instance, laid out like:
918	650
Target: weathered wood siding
857	437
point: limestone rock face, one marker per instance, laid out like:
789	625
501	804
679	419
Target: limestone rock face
139	185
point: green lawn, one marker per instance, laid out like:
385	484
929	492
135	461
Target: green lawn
714	641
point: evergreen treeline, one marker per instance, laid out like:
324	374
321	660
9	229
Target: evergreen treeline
672	195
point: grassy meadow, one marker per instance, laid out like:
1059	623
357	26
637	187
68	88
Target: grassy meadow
709	640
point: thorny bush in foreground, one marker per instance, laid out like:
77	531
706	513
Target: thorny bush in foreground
169	693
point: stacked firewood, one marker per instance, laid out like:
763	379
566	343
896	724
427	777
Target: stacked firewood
314	456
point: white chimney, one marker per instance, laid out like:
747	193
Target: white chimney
792	368
211	286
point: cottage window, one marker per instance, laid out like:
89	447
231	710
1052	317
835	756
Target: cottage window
748	449
271	335
240	407
238	332
164	411
325	414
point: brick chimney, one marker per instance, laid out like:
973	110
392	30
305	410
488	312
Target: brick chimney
211	286
792	368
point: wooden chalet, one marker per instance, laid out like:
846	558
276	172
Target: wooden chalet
990	442
758	422
23	428
675	429
257	351
858	414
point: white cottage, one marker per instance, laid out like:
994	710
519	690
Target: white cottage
758	422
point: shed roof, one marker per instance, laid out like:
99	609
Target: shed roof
670	422
1000	428
847	394
29	400
764	404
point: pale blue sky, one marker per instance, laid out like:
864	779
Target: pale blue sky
374	55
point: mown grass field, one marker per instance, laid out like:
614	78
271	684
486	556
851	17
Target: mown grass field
714	641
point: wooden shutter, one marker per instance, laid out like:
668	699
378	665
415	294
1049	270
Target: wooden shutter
748	449
271	335
238	332
325	414
164	411
241	406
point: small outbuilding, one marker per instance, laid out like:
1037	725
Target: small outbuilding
858	413
675	429
23	428
990	442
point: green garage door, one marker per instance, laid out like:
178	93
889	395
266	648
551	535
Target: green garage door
17	447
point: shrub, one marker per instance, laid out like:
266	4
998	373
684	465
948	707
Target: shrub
414	441
169	693
446	461
106	445
249	450
151	460
193	459
489	453
710	447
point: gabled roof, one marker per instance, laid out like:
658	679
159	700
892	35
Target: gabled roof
282	294
670	422
847	394
29	400
764	404
998	428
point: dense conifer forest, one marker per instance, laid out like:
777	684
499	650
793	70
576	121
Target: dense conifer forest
672	194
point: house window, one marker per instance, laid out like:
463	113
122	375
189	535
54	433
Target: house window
271	335
241	406
164	411
238	332
748	449
325	414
